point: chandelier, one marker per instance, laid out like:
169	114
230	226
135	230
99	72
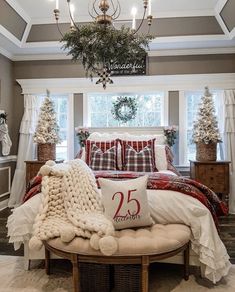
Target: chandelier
99	44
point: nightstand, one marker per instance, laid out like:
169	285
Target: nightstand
32	168
213	174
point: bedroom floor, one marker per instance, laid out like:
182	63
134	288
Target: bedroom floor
227	233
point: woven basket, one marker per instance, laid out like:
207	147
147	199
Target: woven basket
206	152
127	278
95	277
46	152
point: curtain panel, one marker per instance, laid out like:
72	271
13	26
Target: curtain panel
229	142
26	149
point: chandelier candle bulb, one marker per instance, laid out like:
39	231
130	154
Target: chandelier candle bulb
57	5
72	9
150	7
133	12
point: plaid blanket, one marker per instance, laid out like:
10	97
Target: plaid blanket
159	181
156	181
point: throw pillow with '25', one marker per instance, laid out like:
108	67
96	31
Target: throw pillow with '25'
125	202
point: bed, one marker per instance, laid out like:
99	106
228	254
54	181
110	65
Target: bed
166	205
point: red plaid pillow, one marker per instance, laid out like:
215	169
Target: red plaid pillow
102	145
138	146
103	160
141	161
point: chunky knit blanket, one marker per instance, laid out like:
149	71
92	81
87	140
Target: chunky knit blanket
72	207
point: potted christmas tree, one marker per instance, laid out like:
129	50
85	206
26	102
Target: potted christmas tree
205	130
47	131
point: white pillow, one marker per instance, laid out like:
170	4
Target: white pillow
126	202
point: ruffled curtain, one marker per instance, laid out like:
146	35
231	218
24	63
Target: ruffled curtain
229	131
26	150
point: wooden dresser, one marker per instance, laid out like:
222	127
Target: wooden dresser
213	174
32	168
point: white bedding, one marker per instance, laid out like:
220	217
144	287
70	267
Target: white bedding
166	207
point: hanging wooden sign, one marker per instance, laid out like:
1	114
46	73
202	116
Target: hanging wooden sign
136	68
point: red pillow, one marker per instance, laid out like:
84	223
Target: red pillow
138	146
102	145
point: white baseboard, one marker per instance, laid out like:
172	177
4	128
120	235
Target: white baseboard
3	204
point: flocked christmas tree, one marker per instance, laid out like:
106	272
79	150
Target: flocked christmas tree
205	129
47	130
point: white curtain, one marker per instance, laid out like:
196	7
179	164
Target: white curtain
26	150
229	141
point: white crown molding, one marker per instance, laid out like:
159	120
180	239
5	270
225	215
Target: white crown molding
173	39
6	54
53	44
26	33
218	8
155	53
10	36
190	52
232	33
189	38
220	5
132	83
41	57
17	7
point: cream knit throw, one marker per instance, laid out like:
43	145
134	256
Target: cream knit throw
72	207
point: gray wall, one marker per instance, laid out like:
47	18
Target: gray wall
11	20
174	26
78	117
174	120
227	14
169	65
9	102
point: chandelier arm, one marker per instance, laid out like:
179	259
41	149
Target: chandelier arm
71	17
94	7
117	9
142	20
58	27
90	10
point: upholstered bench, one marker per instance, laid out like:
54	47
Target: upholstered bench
142	246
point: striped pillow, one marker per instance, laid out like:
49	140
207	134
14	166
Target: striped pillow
103	160
141	161
138	146
102	145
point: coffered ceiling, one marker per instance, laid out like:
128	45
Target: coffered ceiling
28	30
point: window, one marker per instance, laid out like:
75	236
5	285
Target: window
191	103
150	112
61	103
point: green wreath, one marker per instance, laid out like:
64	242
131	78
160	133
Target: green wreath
124	109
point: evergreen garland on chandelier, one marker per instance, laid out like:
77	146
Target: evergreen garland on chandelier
98	45
124	109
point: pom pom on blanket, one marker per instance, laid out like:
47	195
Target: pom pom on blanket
35	243
50	163
72	207
108	245
94	241
67	233
45	170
